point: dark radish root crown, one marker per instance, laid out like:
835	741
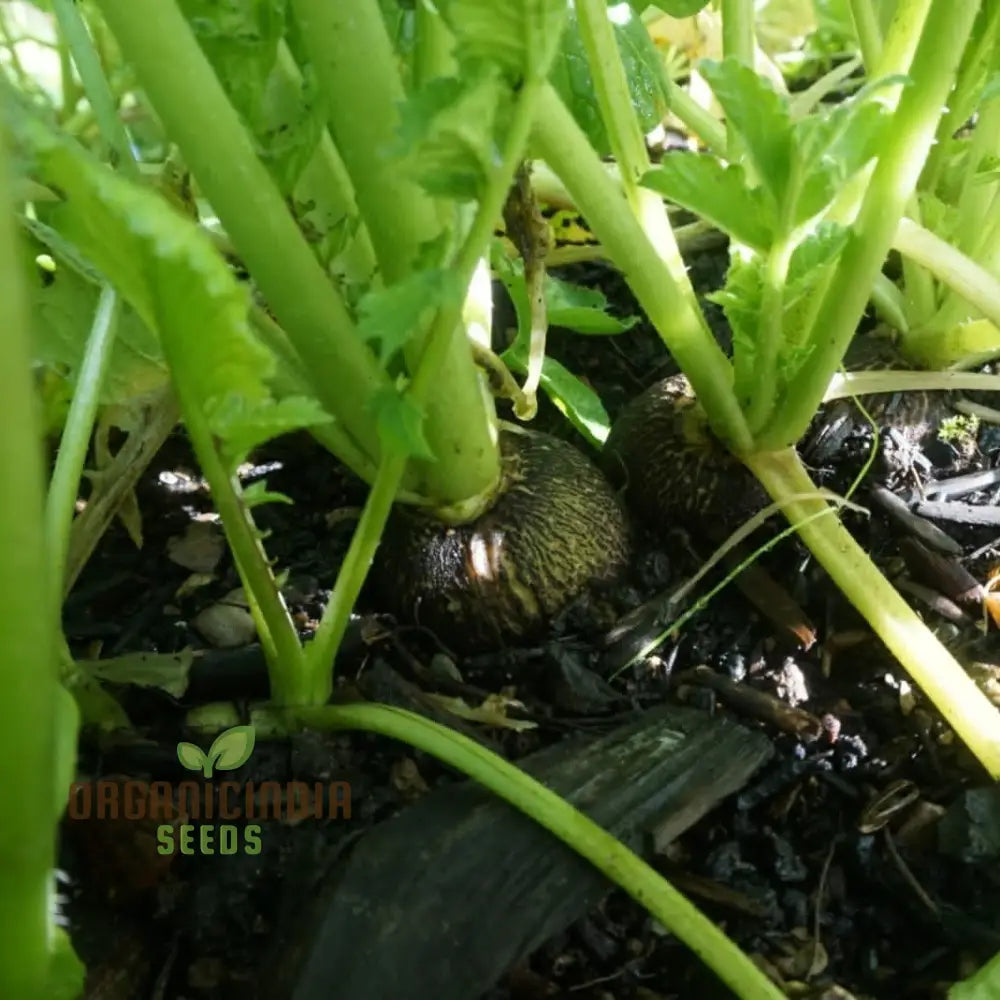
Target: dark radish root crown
555	528
673	469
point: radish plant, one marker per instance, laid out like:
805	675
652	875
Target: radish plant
355	159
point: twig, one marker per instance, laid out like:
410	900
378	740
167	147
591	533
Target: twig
908	875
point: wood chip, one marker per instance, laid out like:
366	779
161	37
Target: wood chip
898	510
963	513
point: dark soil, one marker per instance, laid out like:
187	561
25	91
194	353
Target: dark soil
807	868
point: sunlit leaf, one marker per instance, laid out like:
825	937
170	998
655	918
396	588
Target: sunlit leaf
759	115
580	404
392	316
570	394
165	267
811	256
518	36
400	424
446	134
582	310
240	39
718	194
833	146
571	77
242	426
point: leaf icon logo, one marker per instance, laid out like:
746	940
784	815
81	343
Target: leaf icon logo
229	750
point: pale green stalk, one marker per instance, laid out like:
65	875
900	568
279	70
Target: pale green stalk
95	84
893	182
29	623
738	42
621	865
77	430
627	141
187	96
844	385
561	143
353	59
921	653
868	32
962	275
368	533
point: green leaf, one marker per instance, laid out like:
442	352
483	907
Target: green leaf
818	250
165	671
232	748
242	426
581	405
740	299
983	984
570	394
641	59
718	194
240	39
63	299
392	316
257	494
191	757
759	115
165	267
583	310
291	130
835	145
400	424
446	134
518	36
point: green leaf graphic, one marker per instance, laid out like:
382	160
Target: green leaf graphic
193	758
232	748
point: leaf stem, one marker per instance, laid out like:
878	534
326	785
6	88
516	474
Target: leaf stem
893	182
930	665
562	144
769	332
353	58
95	85
323	650
627	141
77	430
29	623
625	868
868	32
963	275
186	94
738	31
